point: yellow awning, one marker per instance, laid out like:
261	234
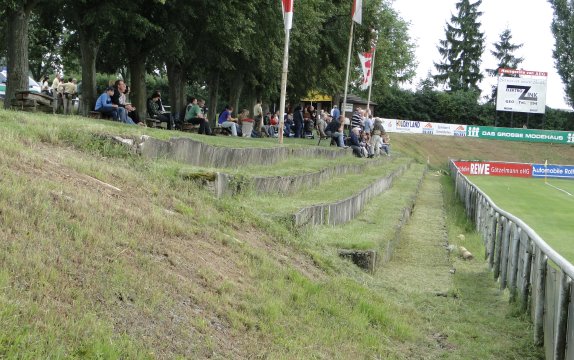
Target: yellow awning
314	96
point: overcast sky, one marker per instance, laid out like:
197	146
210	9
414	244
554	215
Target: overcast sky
528	20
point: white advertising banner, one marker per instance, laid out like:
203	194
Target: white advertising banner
423	127
403	126
526	95
444	129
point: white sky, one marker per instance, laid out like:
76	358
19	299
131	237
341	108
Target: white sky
528	20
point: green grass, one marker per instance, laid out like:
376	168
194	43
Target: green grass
545	209
161	269
336	188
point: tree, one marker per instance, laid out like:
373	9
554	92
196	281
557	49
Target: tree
504	52
563	30
462	49
17	17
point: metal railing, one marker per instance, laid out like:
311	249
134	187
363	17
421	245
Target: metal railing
527	266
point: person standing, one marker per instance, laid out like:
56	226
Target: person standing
68	90
298	121
335	113
258	116
55	94
357	119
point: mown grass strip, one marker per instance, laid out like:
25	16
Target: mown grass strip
376	226
335	189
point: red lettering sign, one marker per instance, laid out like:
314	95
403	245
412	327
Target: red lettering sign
492	168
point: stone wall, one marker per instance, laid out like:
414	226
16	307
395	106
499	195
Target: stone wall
347	209
200	154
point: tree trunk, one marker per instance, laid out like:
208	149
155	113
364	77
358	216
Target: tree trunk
213	95
17	55
89	50
138	94
175	75
236	89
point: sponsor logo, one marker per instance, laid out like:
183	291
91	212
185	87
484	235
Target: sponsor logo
472	131
570	138
428	129
408	124
460	131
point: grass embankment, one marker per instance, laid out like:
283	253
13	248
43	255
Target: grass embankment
545	209
438	149
336	188
104	254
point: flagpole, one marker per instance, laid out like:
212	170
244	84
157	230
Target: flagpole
371	80
288	19
348	67
284	85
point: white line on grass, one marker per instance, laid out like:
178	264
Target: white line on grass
557	188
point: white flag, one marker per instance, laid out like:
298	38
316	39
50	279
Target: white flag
367	66
358	11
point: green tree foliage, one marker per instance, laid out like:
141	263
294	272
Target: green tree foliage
563	30
462	49
504	53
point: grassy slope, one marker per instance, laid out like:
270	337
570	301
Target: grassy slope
159	269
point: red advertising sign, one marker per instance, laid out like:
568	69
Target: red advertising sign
492	168
522	72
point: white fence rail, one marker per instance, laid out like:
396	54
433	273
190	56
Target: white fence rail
530	269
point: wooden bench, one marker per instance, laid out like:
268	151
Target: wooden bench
155	123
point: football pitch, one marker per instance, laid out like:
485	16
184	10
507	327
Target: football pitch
547	208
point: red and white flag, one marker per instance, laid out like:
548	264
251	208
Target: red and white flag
367	66
288	13
358	11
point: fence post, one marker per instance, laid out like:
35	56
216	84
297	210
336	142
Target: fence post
526	270
515	246
541	262
492	237
498	245
562	317
504	253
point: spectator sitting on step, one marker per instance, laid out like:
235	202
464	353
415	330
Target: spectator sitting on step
386	146
226	121
334	129
105	106
119	99
194	115
153	110
355	142
132	113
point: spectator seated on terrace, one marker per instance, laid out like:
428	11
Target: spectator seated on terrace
227	122
334	129
154	112
194	115
104	104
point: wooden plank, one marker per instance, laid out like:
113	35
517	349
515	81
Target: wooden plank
550	312
570	327
39	98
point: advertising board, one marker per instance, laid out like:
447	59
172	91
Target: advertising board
526	95
519	134
553	171
494	168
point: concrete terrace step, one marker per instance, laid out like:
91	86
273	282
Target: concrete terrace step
370	239
344	210
228	183
197	153
335	189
